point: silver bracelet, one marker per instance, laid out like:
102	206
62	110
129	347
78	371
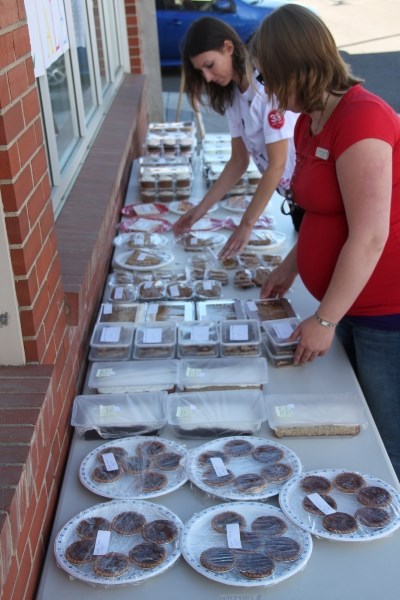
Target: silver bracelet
324	322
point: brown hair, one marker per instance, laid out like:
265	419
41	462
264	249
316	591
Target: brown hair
204	35
296	54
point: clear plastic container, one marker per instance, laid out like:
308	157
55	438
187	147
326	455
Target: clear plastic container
268	309
151	290
132	376
171	310
276	360
122	293
208	289
111	341
241	338
180	290
119	415
204	374
217	413
155	340
198	339
277	333
220	310
121	313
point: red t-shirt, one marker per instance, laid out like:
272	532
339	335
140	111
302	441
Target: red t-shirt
359	115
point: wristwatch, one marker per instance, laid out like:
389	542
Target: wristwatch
324	322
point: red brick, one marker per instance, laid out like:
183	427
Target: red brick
11	123
38	131
22	44
22	416
17	80
21	400
24	258
27	144
4	92
35	348
10	475
18	227
7	53
27	288
16	435
14	455
12	576
25	562
31	107
47	222
9	162
39	165
21	9
14	195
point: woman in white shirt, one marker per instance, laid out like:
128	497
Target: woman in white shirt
215	63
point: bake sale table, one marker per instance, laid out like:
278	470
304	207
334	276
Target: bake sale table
335	569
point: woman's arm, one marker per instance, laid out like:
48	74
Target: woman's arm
233	170
364	173
277	156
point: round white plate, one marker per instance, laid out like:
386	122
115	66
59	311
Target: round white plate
272	239
125	240
118	543
217	241
198	535
120	260
207	224
291	499
174	207
237	204
239	466
128	486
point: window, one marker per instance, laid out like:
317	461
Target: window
77	88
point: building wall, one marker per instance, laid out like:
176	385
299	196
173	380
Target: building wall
59	270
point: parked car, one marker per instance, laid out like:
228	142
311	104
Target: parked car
175	16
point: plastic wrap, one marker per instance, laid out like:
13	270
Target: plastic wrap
269	309
220	310
242	467
136	467
208	289
146	224
122	294
130	312
133	376
119	415
140	259
198	241
113	565
171	310
152	290
111	341
265	239
240	338
140	239
243	554
211	414
180	290
155	340
340	515
329	413
202	374
198	339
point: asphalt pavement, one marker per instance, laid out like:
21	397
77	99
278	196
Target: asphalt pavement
367	33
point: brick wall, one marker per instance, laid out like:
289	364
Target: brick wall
59	271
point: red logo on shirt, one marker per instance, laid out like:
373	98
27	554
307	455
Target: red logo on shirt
276	119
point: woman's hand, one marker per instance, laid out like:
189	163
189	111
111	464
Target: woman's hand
186	221
314	340
278	282
236	242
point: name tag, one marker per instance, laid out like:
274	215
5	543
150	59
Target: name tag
322	153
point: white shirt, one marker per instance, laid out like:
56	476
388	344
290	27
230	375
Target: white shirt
256	119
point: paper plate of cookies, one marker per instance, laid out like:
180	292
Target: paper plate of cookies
137	467
265	239
242	467
345	506
245	544
198	241
139	259
119	542
180	207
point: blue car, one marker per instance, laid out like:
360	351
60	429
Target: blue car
175	16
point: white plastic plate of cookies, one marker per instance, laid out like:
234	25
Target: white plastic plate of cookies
136	467
139	239
119	542
245	544
142	260
341	505
265	239
242	467
180	207
198	241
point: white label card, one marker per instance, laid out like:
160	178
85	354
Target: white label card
200	333
141	257
110	334
144	225
207	285
185	412
282	330
233	535
146	209
152	336
238	333
219	467
102	542
285	411
108	411
118	293
321	504
152	309
251	305
105	372
191	372
109	461
107	309
174	290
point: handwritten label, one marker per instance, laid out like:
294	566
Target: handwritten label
110	335
238	333
233	535
200	333
320	503
109	461
102	542
219	467
152	336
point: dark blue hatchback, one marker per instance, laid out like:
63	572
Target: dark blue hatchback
175	16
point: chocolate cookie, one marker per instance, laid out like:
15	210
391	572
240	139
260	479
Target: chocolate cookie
101	475
153	481
211	478
315	483
267	453
118	452
283	549
372	517
250	542
134	465
375	496
160	531
150	448
221	520
349	483
255	565
310	507
218	559
80	552
112	564
204	458
147	555
269	525
128	523
340	522
87	529
167	461
277	472
250	483
238	447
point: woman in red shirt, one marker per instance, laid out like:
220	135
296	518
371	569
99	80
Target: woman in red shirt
347	178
